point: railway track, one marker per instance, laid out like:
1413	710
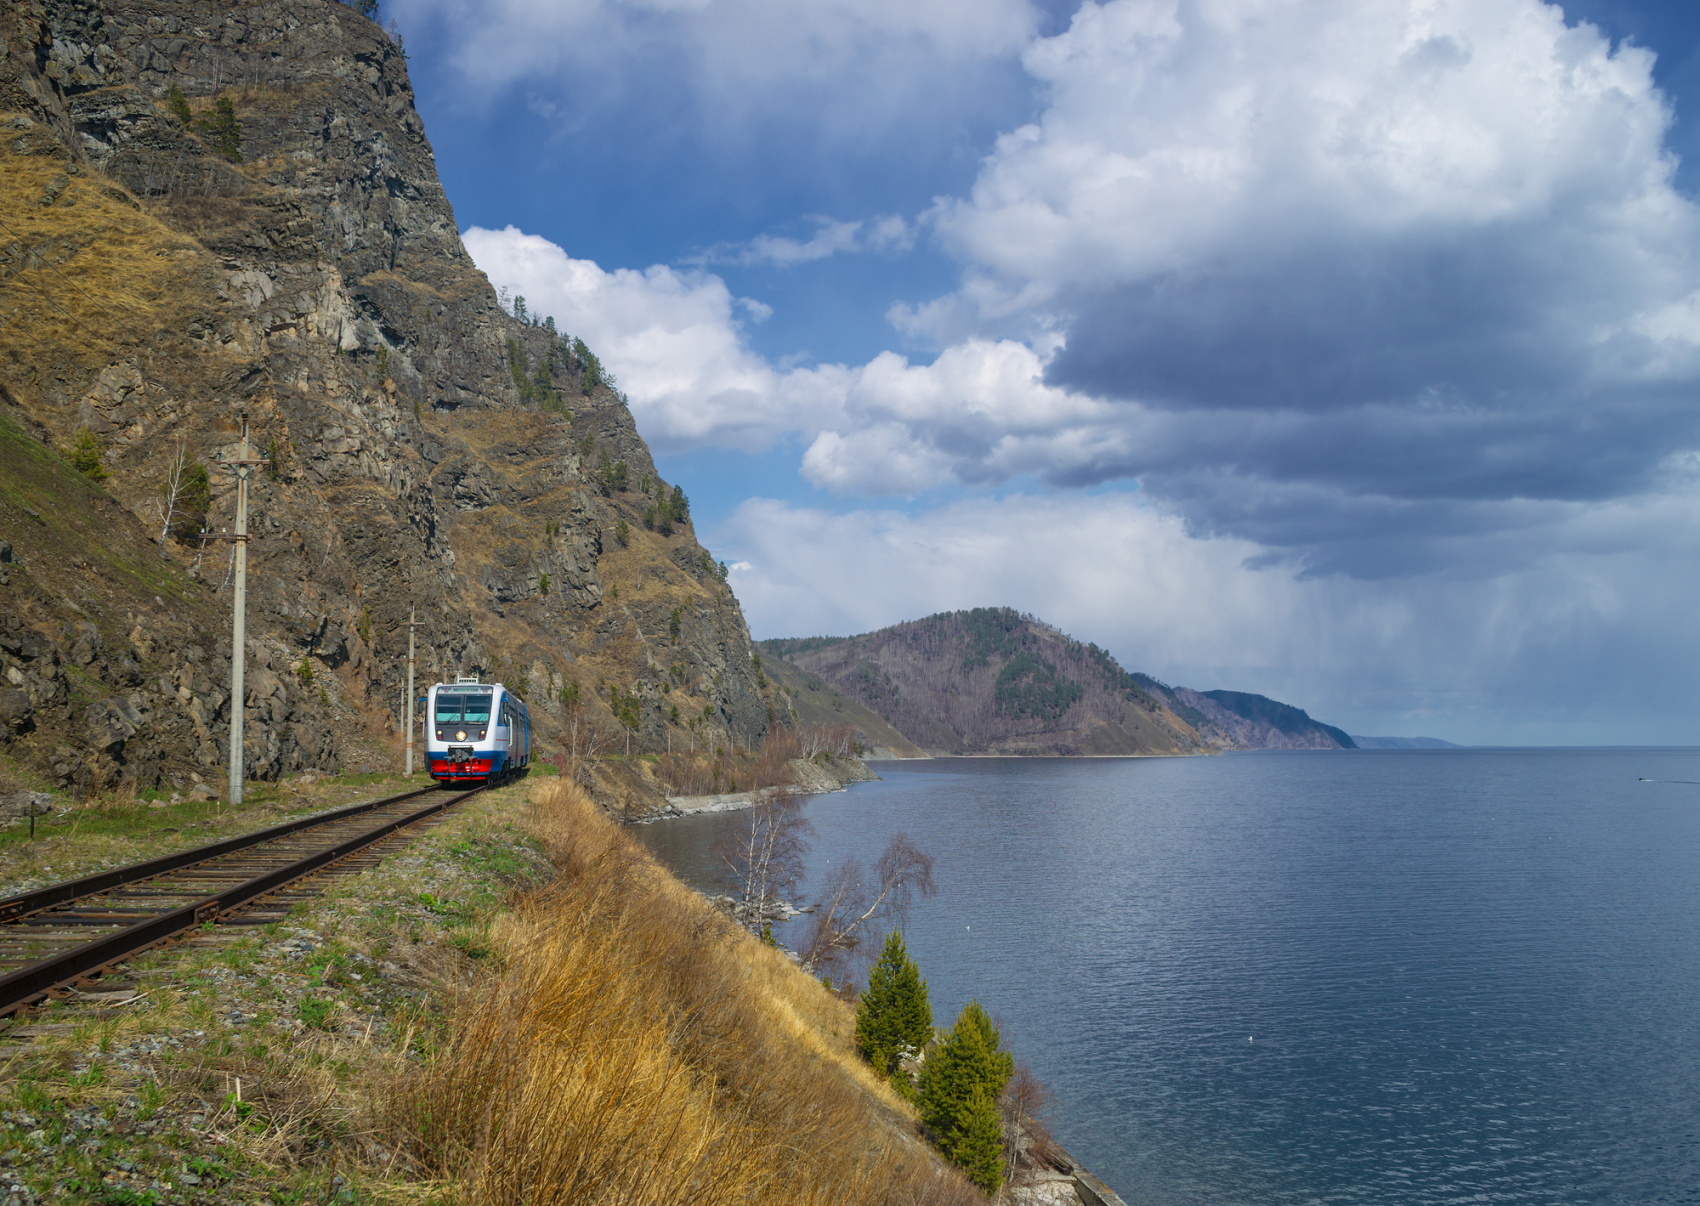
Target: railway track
54	936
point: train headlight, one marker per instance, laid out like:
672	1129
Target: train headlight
460	736
439	734
481	734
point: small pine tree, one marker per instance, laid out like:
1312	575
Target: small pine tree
623	533
894	1013
85	455
969	1060
222	130
179	105
976	1144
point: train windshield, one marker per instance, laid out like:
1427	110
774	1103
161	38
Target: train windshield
463	709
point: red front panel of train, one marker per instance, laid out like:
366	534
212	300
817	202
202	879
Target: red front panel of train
473	768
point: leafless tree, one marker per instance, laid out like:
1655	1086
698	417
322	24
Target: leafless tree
1024	1103
764	859
834	740
171	491
583	739
855	903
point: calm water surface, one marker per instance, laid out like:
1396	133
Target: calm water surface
1370	976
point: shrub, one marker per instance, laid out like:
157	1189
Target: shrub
195	500
85	455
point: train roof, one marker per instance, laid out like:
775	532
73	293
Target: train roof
475	686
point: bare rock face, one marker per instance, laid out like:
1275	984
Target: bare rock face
235	209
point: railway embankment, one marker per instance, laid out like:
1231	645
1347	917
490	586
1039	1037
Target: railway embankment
244	1063
517	993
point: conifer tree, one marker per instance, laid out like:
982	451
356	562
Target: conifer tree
222	130
976	1145
894	1013
86	455
178	104
969	1065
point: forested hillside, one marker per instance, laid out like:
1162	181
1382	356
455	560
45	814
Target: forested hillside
992	680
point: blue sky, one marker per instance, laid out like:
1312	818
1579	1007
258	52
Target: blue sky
1343	350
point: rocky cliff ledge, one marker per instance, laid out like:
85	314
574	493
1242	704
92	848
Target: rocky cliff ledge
210	208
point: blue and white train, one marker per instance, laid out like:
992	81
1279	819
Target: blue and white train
475	730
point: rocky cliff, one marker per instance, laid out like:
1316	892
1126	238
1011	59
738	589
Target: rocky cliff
209	209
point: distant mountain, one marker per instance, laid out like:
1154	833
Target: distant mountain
1238	720
1403	743
994	681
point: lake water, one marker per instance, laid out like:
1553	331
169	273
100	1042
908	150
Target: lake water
1363	976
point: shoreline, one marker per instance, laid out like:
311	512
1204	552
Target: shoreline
817	780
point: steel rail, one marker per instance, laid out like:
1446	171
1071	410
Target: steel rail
36	979
13	907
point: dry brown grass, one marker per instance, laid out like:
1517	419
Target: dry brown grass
635	1047
83	280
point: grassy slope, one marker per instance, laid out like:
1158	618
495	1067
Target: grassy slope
65	528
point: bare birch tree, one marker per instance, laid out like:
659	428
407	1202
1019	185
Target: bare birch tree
171	492
764	860
854	903
584	738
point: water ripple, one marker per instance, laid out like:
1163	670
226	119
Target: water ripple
1381	976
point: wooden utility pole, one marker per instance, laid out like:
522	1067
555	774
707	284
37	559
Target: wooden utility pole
412	623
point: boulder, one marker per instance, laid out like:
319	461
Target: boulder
203	791
110	723
15	708
22	804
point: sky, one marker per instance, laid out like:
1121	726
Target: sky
1346	351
